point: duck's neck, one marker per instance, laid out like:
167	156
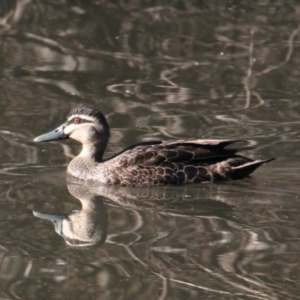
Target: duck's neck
93	152
83	165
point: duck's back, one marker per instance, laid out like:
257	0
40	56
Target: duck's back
177	162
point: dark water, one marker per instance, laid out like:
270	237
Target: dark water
158	70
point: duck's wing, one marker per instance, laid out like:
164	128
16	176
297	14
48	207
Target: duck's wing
180	151
127	149
203	143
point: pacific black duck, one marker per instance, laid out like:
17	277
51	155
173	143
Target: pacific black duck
148	163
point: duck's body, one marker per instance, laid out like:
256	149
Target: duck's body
149	163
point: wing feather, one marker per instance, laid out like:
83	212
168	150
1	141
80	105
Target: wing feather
181	151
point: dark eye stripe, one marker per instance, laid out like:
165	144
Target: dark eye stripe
81	121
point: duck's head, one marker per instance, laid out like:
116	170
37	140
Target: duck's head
85	125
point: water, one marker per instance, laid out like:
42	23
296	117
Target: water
157	71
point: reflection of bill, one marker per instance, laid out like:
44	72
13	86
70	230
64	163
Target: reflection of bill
84	228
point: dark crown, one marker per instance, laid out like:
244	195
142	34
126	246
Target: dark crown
85	111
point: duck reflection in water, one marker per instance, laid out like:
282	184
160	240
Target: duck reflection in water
88	227
84	228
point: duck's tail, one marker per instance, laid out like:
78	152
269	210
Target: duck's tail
244	170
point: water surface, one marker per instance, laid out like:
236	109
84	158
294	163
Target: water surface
157	71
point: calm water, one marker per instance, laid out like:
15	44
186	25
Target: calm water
189	69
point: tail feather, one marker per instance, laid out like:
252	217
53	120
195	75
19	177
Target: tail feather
246	169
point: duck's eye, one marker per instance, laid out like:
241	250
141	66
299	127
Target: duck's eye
76	120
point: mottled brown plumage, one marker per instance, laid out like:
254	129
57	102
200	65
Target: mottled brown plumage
149	163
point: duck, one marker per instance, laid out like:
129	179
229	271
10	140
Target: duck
148	163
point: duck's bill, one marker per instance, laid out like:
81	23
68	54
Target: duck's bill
57	134
56	219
